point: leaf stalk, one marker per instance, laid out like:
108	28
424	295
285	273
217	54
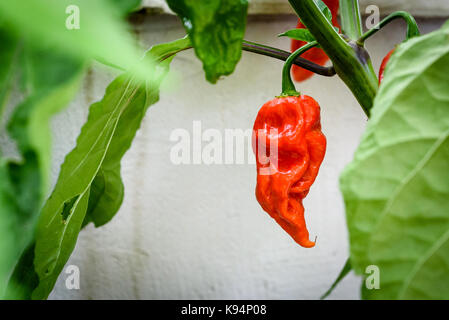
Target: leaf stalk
412	26
288	87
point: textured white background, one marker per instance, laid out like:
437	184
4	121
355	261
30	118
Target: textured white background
197	231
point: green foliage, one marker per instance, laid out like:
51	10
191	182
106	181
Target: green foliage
107	188
216	29
102	35
49	60
299	34
396	190
89	187
51	80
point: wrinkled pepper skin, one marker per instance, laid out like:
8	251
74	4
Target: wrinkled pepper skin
316	55
384	64
294	124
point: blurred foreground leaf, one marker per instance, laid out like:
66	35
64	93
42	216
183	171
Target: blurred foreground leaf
51	82
102	33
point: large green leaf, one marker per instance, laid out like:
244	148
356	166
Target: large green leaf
90	174
396	190
107	188
52	81
216	29
102	33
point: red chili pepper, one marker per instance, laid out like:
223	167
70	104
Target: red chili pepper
286	173
384	64
316	55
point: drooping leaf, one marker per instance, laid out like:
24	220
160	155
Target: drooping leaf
396	190
107	188
102	33
93	167
216	29
52	82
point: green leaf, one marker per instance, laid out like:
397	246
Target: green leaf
216	28
89	175
299	34
102	33
343	273
52	81
324	9
396	190
107	189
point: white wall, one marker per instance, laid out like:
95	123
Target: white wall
197	232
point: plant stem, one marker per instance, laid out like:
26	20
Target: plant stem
284	55
412	26
350	61
288	87
274	53
352	27
351	22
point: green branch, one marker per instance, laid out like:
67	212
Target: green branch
262	50
351	62
288	87
412	26
284	55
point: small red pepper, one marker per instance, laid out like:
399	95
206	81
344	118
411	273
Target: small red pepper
316	55
285	177
384	64
289	148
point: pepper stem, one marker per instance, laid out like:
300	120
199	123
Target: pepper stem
288	87
412	26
